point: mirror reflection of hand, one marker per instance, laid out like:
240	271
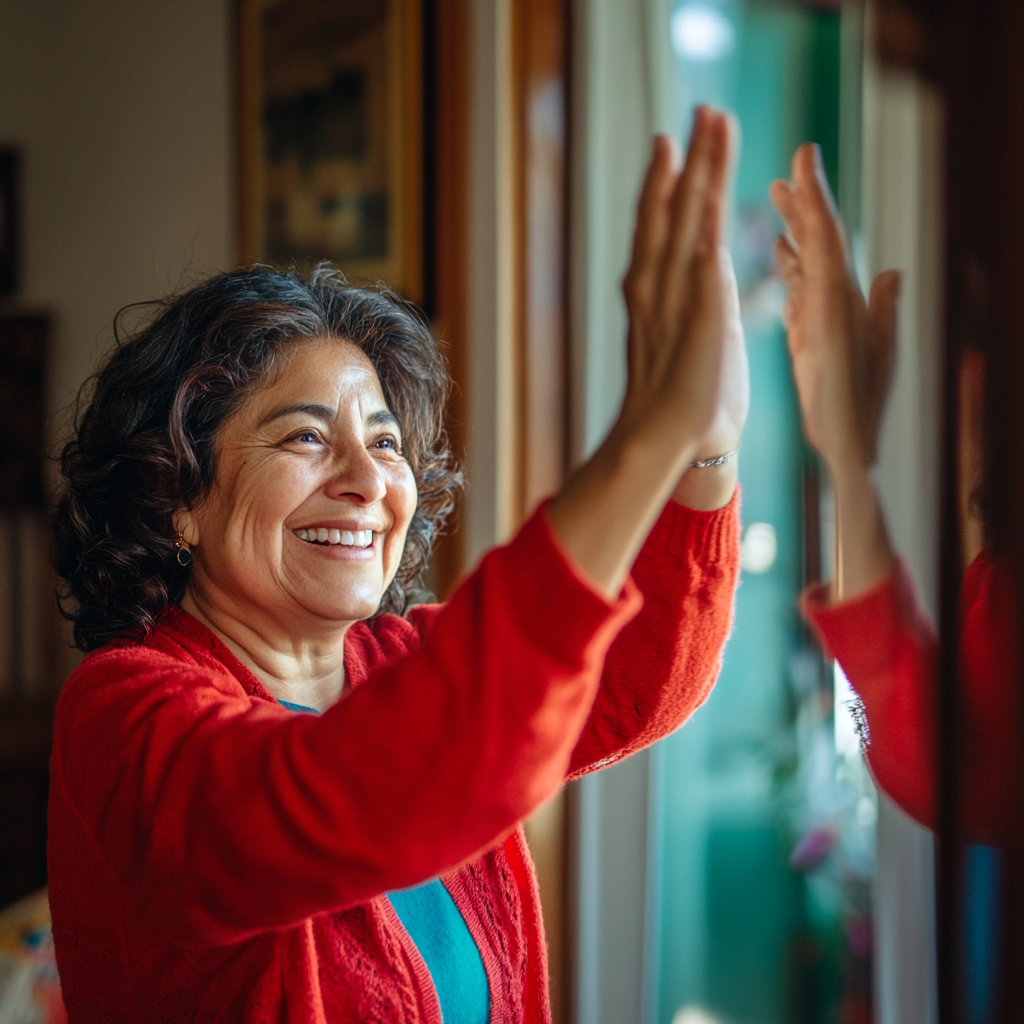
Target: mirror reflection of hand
841	346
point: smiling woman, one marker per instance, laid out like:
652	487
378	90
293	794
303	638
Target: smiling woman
278	794
145	447
308	524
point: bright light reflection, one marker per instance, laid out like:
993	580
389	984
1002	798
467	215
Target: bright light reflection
701	33
758	548
693	1015
846	738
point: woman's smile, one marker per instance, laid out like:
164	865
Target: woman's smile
354	545
334	536
274	428
314	497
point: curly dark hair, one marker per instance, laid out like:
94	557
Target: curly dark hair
146	425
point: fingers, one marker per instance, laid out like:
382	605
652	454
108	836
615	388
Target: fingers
789	262
788	320
701	360
809	178
707	151
792	275
817	221
652	214
807	206
678	232
883	310
784	198
878	357
728	271
724	158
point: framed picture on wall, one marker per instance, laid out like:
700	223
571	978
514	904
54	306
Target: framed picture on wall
9	216
331	159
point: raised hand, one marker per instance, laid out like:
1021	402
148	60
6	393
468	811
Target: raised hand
682	352
677	288
842	350
710	487
841	346
734	389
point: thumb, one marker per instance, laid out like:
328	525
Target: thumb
730	290
883	306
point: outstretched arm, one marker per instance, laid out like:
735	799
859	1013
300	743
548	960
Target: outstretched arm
211	797
664	663
676	292
842	349
869	620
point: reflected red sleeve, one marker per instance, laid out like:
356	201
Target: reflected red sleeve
889	652
887	649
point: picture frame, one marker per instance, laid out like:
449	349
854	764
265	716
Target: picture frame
10	220
331	138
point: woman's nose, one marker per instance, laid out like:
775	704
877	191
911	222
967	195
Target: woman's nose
357	476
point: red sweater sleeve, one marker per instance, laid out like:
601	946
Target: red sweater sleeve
887	649
219	814
662	665
889	652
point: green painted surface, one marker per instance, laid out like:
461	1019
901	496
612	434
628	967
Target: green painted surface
736	938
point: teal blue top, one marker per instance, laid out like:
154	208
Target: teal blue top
429	915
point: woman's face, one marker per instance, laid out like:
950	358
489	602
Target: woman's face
312	500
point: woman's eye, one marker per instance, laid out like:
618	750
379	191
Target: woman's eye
307	437
388	443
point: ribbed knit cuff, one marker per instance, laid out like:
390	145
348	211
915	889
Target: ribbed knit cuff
564	608
860	633
682	534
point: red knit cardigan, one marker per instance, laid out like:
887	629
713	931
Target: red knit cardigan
214	857
888	650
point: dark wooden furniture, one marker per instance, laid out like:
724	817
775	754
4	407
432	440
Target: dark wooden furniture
28	654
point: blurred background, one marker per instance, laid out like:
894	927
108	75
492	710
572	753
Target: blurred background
482	158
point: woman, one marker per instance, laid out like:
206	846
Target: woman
842	349
259	756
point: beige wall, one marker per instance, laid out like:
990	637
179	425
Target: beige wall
122	109
123	112
903	216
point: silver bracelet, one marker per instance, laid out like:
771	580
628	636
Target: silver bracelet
719	460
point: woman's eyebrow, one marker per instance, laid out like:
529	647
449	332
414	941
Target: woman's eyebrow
321	412
375	419
327	414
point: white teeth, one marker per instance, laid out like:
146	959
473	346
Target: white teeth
346	538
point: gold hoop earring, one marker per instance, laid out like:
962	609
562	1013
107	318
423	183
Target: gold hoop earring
182	553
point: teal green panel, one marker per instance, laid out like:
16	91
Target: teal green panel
734	938
752	896
823	108
771	95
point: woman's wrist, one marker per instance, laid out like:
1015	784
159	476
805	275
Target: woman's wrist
605	511
706	488
850	474
865	552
